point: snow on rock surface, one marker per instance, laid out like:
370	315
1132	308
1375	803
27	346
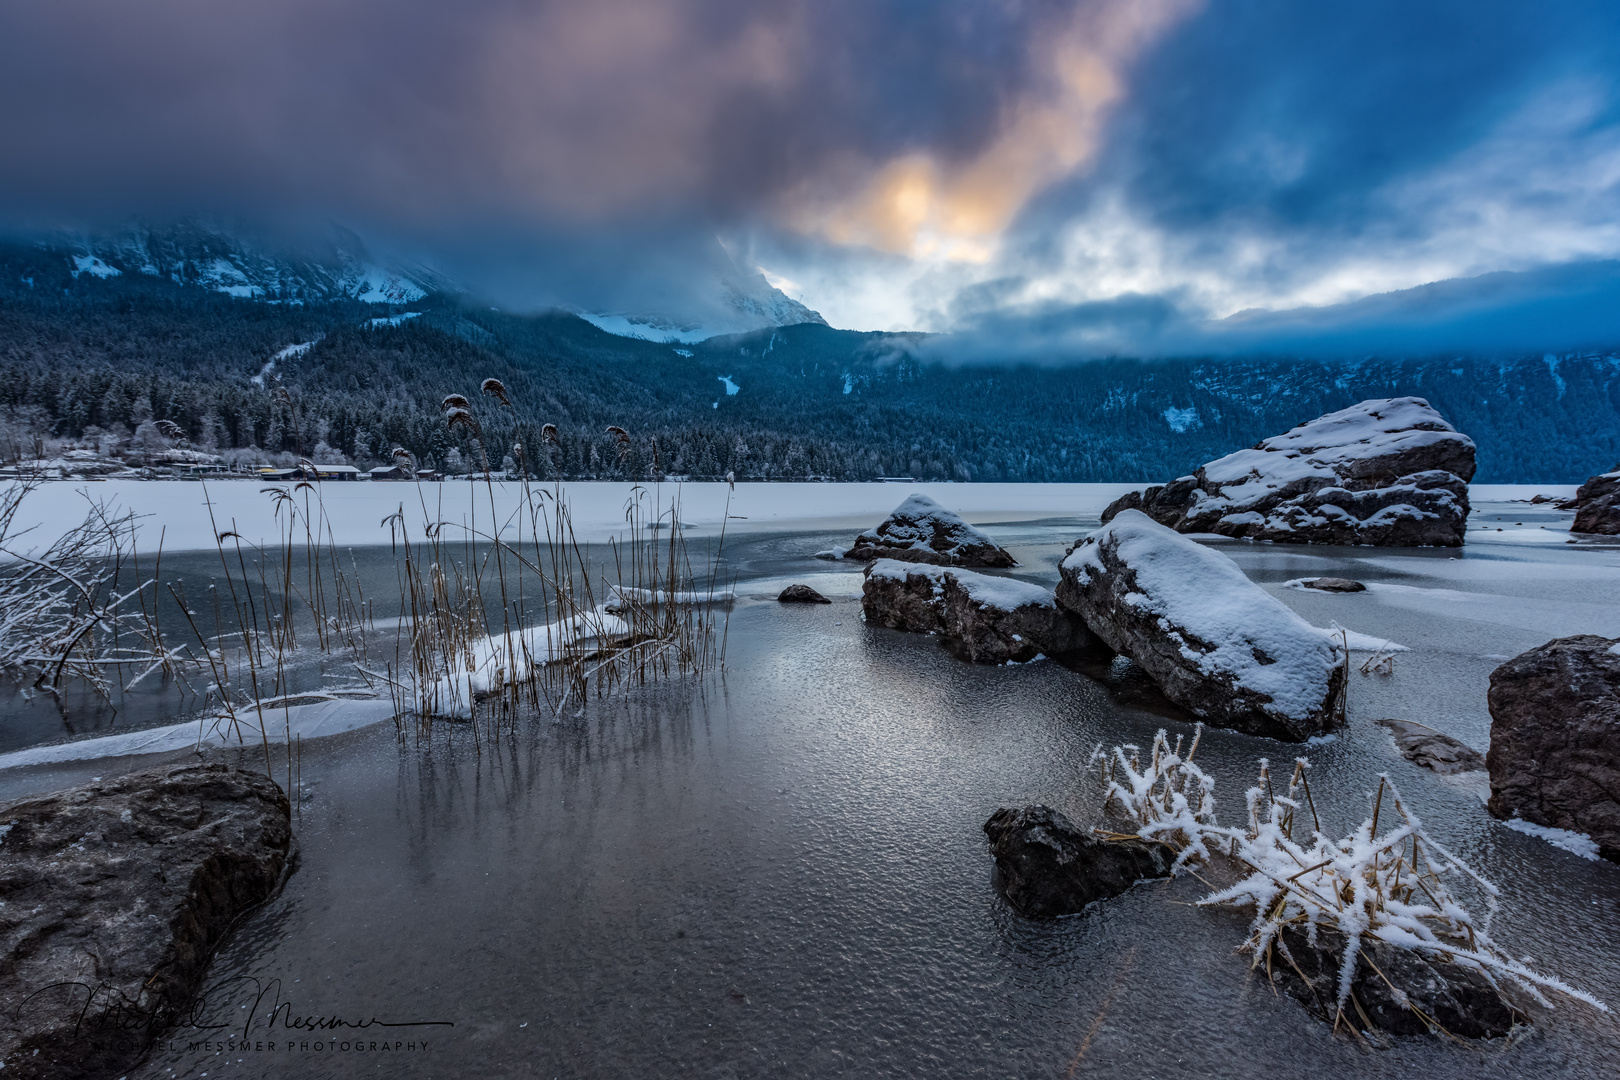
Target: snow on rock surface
988	620
1386	472
1217	644
1597	505
920	530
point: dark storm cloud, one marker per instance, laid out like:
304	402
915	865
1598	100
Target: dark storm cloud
1270	144
447	113
1100	173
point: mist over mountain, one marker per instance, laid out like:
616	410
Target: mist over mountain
326	358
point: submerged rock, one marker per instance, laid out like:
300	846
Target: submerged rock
1459	999
801	594
115	896
1218	645
988	620
1387	472
1555	738
1049	867
1597	505
1335	584
1433	749
922	531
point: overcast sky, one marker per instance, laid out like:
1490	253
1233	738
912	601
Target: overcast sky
895	164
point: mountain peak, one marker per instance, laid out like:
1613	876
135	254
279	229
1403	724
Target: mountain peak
242	263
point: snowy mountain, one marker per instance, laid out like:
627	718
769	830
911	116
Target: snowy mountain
742	301
225	260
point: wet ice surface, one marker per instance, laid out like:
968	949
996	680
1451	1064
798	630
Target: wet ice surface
783	872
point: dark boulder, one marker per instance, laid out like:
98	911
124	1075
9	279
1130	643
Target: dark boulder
1433	749
1597	505
1217	644
1459	999
988	620
1386	472
1335	584
1049	867
115	896
1555	738
801	594
922	531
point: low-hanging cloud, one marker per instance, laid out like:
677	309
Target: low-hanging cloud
1124	168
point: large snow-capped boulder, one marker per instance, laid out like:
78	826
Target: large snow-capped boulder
1597	505
1555	738
1387	472
988	620
1217	644
123	889
922	531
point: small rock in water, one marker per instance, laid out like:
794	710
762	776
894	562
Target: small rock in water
1335	584
1432	749
1049	867
125	888
1459	999
801	594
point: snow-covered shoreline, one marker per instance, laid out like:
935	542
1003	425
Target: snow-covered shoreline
177	513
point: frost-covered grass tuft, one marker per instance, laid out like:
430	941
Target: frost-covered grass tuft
1172	800
1401	887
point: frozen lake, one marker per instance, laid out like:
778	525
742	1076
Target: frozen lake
781	870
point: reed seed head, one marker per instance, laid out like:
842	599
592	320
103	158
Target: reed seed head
459	416
494	389
455	401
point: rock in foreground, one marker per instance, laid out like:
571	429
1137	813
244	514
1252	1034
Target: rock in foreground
1597	505
1459	999
988	620
922	531
1422	745
1049	867
801	594
1555	738
1386	472
1217	644
115	896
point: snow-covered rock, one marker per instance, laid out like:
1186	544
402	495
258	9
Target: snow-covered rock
921	530
1217	644
988	620
1597	505
1386	472
1555	738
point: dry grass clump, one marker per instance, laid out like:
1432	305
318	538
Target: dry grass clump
1400	887
63	614
499	615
